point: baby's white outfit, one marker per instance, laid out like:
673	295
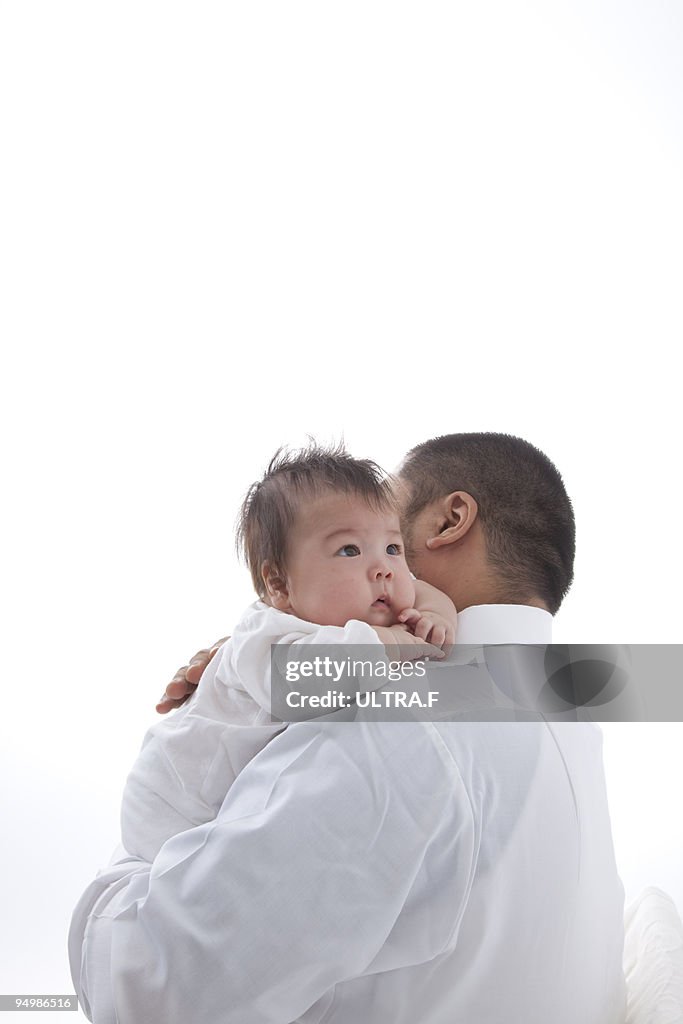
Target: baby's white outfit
189	761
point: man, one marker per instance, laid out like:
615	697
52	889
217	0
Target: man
427	872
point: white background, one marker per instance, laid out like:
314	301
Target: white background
226	226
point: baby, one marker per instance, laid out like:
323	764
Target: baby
320	534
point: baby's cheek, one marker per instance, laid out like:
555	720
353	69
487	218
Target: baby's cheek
343	603
406	593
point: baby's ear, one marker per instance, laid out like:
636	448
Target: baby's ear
276	587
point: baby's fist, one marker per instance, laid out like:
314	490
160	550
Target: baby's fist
429	626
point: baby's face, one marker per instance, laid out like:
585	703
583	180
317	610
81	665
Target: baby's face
346	561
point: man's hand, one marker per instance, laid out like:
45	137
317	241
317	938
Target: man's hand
186	679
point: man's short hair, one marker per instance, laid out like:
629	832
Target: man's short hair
525	512
270	507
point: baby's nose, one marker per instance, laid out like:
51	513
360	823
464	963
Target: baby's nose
383	572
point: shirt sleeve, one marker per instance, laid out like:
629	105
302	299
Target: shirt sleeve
89	933
341	850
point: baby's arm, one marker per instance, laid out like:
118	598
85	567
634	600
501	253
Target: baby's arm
433	618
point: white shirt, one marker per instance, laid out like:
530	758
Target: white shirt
189	760
504	624
398	873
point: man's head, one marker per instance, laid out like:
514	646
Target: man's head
320	533
486	518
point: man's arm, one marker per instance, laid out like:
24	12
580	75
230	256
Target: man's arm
325	839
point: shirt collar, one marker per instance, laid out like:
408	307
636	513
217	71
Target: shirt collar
504	624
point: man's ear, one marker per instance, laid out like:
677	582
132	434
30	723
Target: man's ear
458	513
276	587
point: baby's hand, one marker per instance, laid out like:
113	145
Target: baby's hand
430	626
407	644
433	618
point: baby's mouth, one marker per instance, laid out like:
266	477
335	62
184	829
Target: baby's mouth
381	602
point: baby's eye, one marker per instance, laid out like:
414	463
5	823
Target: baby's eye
349	550
394	549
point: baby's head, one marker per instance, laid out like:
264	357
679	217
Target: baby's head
320	534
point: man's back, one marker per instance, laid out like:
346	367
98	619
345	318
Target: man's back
417	873
540	933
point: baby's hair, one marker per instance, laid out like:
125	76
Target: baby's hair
270	507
